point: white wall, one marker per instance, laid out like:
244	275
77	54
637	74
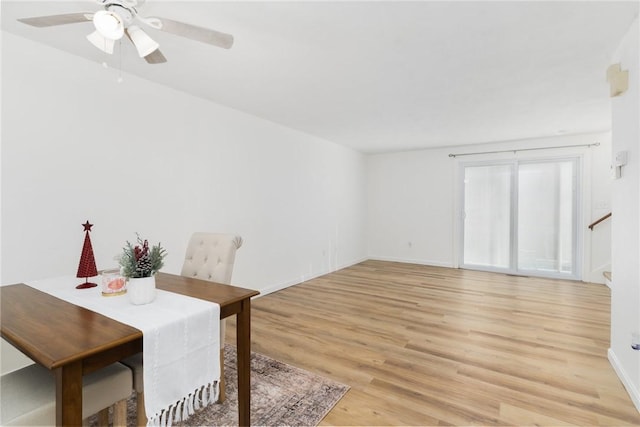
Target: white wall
413	215
139	157
625	293
601	185
410	207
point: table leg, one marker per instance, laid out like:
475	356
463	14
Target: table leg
69	394
243	344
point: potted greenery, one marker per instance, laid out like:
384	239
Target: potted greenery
139	264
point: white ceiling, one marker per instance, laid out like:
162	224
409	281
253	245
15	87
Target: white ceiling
381	75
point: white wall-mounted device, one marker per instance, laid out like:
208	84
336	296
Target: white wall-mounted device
619	161
618	80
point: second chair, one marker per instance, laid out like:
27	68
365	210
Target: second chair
209	256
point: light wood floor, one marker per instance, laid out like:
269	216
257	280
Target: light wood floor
435	346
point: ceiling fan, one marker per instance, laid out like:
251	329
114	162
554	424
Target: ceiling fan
120	17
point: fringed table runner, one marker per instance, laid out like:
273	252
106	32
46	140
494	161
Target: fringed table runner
181	342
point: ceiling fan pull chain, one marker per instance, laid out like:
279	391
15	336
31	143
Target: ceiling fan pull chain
120	79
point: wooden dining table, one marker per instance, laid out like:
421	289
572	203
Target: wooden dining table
72	341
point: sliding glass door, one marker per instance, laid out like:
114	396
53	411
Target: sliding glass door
521	217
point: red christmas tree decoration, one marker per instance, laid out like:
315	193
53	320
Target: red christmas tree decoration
87	266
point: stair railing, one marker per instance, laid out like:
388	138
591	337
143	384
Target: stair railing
598	221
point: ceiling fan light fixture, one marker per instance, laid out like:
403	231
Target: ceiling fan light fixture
108	24
144	44
101	42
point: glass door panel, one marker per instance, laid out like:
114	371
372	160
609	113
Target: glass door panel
546	217
487	216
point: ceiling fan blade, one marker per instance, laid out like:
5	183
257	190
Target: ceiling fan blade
52	20
155	57
193	32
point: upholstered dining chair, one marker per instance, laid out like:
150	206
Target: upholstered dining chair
209	256
29	395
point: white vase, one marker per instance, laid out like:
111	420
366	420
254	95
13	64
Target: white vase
141	290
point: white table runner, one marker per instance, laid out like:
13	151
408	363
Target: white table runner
181	342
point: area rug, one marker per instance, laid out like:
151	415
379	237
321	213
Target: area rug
281	395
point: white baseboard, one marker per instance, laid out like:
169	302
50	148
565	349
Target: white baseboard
597	275
634	393
274	288
413	261
283	285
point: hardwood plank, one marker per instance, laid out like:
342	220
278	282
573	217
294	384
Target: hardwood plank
361	408
424	345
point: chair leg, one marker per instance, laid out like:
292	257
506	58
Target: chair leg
223	394
103	417
142	415
120	413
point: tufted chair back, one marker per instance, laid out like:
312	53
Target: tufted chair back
210	256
